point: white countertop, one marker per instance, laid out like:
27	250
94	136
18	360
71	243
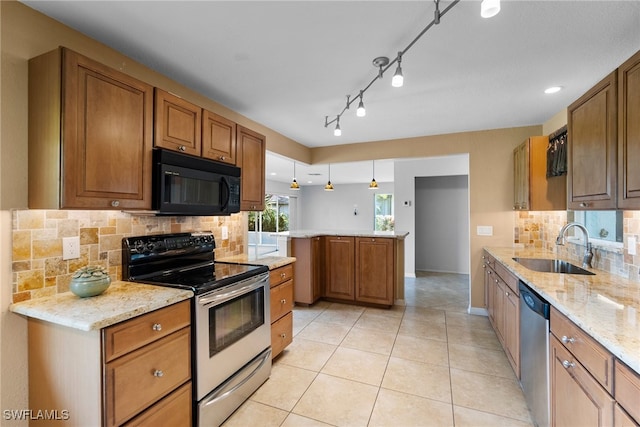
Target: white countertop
605	306
354	233
121	301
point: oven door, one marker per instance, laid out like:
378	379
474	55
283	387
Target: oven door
232	328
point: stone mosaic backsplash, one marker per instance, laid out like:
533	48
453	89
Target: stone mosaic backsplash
539	229
37	264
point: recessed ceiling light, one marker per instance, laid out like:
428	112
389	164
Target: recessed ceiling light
553	89
272	174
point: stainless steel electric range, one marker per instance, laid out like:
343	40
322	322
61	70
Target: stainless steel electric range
231	335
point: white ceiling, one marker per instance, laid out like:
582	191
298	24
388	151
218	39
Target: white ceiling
288	64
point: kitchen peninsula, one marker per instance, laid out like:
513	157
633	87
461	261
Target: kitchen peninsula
365	267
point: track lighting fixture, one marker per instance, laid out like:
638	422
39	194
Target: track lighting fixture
361	112
294	184
488	8
329	186
374	184
398	79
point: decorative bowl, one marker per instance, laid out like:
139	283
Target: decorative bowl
89	281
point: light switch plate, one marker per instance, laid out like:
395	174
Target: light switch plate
484	230
631	243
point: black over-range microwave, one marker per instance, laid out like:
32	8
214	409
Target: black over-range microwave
187	185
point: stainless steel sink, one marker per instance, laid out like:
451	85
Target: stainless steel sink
551	266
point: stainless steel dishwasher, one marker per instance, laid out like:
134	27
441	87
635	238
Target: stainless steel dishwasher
534	354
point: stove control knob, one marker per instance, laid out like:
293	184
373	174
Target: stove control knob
150	246
138	246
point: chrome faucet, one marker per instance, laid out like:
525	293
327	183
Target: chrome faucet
588	253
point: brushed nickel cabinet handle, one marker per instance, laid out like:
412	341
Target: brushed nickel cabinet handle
158	373
115	203
157	327
567	340
568	364
182	148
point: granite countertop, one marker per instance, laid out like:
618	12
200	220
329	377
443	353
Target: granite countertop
121	301
271	261
605	306
355	233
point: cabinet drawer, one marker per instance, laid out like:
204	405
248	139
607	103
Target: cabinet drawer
508	278
281	300
280	275
281	334
627	390
139	379
172	411
488	260
127	336
593	356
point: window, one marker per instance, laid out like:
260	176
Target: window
603	226
263	225
383	208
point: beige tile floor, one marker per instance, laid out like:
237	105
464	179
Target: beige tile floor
426	364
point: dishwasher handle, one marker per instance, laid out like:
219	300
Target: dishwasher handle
533	301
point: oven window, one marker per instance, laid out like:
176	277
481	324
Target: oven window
181	190
232	320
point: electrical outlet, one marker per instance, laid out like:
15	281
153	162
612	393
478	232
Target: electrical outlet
70	247
631	243
225	232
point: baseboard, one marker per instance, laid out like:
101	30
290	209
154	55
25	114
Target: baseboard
478	311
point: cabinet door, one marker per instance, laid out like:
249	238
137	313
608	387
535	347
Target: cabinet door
521	176
251	157
178	124
339	261
490	289
374	270
218	138
629	133
107	130
512	329
316	267
592	134
576	398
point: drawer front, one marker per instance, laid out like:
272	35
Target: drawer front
593	356
281	300
488	260
139	379
281	334
627	390
507	277
172	411
281	274
127	336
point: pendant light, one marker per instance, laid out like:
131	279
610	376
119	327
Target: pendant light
361	112
329	186
374	184
337	131
294	184
398	79
489	8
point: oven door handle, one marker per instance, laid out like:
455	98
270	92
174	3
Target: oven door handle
222	393
219	298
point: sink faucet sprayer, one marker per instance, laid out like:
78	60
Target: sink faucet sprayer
588	253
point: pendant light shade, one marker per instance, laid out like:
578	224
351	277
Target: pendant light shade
329	186
489	8
374	184
294	184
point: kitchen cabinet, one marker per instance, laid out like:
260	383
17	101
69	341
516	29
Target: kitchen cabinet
307	269
178	124
592	147
339	268
532	190
90	135
218	138
503	307
581	376
621	418
629	133
251	151
281	282
627	394
374	270
136	372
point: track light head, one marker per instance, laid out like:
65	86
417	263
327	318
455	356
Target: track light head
361	112
398	79
489	8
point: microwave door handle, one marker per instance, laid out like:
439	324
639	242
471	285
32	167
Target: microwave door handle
226	202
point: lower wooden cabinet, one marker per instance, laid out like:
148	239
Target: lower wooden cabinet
307	268
339	268
281	281
137	372
627	394
375	270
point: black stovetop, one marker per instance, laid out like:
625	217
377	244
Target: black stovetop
181	260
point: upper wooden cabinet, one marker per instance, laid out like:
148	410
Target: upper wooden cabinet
251	149
532	190
592	134
629	133
178	124
90	135
218	138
